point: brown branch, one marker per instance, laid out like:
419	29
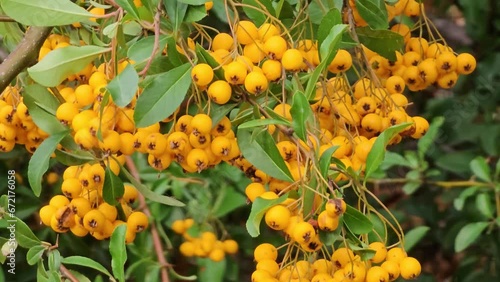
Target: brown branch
66	273
6	19
156	44
154	231
25	54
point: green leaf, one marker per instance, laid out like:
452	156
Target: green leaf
176	12
468	234
303	115
195	13
260	150
328	49
54	258
172	54
308	197
427	140
411	186
257	12
217	112
193	2
377	153
459	202
80	277
57	65
374	13
113	188
24	236
480	168
124	86
204	57
484	205
262	122
228	199
128	5
325	160
118	252
357	222
332	18
39	162
87	262
35	254
384	42
162	96
394	159
211	271
379	231
45	13
42	106
141	50
414	236
259	209
73	158
150	195
457	162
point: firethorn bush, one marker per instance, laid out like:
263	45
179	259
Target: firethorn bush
150	125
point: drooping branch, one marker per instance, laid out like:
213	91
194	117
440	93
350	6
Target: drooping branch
25	54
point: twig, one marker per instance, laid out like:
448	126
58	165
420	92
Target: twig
66	273
156	25
25	54
154	231
6	19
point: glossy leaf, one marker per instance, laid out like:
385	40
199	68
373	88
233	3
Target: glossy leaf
42	106
57	65
45	13
118	252
24	236
148	194
113	188
384	42
303	115
414	236
195	13
325	160
262	122
86	262
141	50
374	13
73	158
39	162
162	96
484	203
430	136
480	168
34	254
377	153
332	18
469	234
379	231
176	11
128	5
459	201
357	222
259	208
124	86
260	150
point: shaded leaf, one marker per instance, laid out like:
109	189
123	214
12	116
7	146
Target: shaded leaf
357	222
124	86
484	205
118	252
34	254
480	168
427	140
332	18
259	208
303	115
374	13
257	12
86	262
384	42
42	106
414	236
469	234
113	188
262	122
24	236
128	5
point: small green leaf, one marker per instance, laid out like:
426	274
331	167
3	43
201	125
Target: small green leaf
384	42
228	199
42	106
377	153
45	13
379	231
411	187
39	162
308	198
414	236
204	57
128	5
124	86
325	160
484	205
218	112
332	18
393	159
209	270
113	188
54	258
118	252
260	150
357	222
303	115
259	208
24	236
162	96
73	158
459	202
193	2
173	54
426	141
195	13
41	273
374	13
176	11
256	10
87	262
148	194
57	65
468	234
263	122
480	168
141	50
34	254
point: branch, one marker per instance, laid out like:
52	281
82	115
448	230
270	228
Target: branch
6	19
154	232
25	54
66	273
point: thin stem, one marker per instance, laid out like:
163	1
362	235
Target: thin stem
154	231
67	274
156	43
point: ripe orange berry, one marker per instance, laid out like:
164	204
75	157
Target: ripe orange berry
235	72
265	251
272	69
377	274
410	268
292	60
392	268
466	63
201	124
222	41
303	232
267	30
219	92
277	217
137	221
94	221
59	201
380	252
341	62
46	213
275	47
246	32
202	74
230	246
256	82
